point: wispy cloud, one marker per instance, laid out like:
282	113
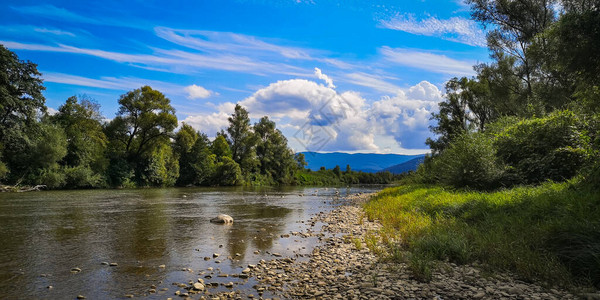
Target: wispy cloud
455	29
114	83
56	13
53	31
175	61
428	61
241	44
53	12
373	81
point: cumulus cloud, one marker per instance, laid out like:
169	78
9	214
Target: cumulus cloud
315	117
325	78
197	92
455	29
319	118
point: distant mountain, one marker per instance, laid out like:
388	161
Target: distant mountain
406	166
366	162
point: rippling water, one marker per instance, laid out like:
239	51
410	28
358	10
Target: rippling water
46	234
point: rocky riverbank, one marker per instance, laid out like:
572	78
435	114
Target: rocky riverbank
341	266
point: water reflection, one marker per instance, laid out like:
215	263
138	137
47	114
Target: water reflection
46	234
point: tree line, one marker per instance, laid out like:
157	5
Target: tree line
141	146
531	114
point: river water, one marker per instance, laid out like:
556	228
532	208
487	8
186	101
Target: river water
156	237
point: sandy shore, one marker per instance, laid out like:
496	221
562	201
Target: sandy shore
341	266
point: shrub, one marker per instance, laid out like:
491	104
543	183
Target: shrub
540	149
470	161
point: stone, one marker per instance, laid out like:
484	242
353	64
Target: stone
80	297
76	270
113	264
222	219
162	266
198	286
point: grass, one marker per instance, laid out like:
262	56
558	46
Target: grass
550	232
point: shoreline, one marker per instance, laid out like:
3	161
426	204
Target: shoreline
341	266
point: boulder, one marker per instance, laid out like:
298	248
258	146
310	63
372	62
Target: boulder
222	219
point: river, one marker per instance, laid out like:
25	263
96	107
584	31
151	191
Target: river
156	237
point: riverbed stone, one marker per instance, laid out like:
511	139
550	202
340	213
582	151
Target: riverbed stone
222	219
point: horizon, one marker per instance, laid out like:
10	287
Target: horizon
346	77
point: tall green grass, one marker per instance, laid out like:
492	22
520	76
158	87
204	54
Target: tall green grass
550	232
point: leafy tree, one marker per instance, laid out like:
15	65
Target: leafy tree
161	167
143	126
515	25
184	142
228	172
300	161
337	171
20	92
275	158
81	121
220	147
145	116
241	140
452	118
203	161
33	155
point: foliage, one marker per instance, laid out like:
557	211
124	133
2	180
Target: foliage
228	172
276	160
539	149
549	232
468	162
20	92
242	140
220	148
86	144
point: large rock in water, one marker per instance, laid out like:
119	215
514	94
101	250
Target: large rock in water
222	219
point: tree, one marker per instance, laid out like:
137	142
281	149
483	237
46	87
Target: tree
228	172
515	25
452	118
204	161
241	140
147	117
184	142
300	161
144	124
220	147
274	156
86	142
20	92
337	171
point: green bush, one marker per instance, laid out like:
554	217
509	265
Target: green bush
82	177
470	161
539	149
228	172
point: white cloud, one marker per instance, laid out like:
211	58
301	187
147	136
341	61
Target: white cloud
455	29
209	123
52	111
428	61
373	81
197	92
325	78
53	31
113	83
175	61
318	118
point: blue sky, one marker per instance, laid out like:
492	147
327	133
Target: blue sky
351	76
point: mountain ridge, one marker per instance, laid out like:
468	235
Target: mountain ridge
366	162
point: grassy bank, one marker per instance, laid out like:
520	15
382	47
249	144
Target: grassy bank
549	233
